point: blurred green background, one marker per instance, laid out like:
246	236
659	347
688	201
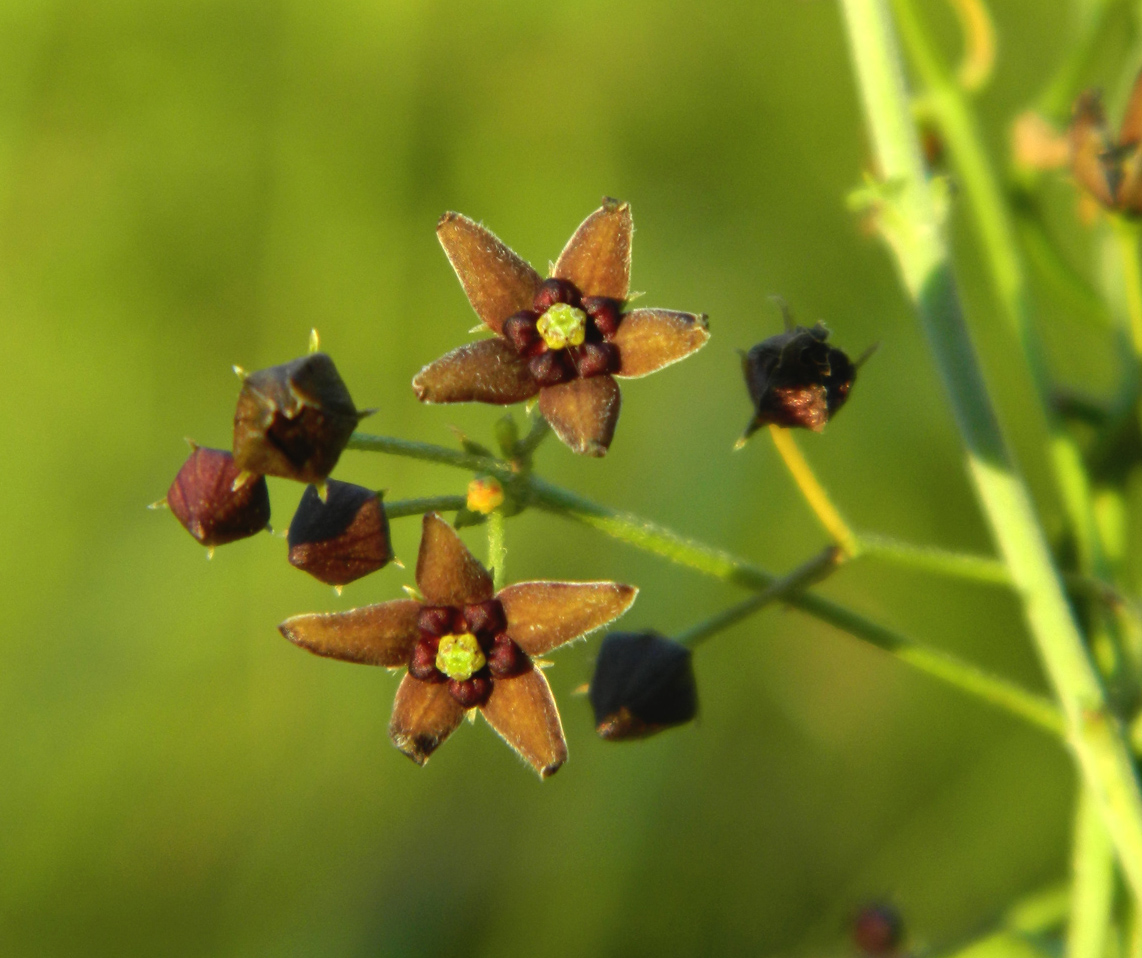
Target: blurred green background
186	185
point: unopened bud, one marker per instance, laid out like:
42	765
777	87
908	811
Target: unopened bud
878	930
341	539
294	420
210	502
643	683
485	495
796	379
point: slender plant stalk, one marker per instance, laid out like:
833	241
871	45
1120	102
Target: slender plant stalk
1127	236
497	550
416	507
914	229
1093	882
805	575
650	537
827	514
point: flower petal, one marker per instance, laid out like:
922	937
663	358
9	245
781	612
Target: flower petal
543	615
523	711
1089	142
381	634
446	572
597	257
583	412
485	371
649	339
497	281
424	715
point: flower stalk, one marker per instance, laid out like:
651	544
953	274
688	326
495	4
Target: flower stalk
1095	733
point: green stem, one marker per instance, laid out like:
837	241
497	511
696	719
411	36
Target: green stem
1056	99
497	550
646	535
801	578
1096	735
982	569
1127	234
1092	890
417	507
539	431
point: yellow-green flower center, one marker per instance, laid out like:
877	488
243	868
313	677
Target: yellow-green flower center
459	656
563	326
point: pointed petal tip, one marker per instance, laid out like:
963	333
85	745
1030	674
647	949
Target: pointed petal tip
611	205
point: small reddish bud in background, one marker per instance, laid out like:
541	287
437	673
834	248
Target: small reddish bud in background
343	538
643	683
796	379
215	502
878	930
294	420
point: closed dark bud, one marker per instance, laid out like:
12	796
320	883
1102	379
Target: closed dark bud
605	312
554	291
471	692
797	380
485	618
595	359
643	683
344	537
878	930
519	330
550	368
506	659
204	500
294	420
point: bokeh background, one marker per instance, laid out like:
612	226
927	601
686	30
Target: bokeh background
186	185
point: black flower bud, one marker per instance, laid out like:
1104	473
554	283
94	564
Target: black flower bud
878	930
643	683
796	379
215	501
294	420
344	537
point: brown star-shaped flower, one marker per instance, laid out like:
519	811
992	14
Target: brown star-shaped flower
1110	170
564	339
466	648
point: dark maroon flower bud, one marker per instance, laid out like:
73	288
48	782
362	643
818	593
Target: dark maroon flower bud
204	499
606	313
551	368
796	379
437	620
506	659
643	683
422	663
554	291
344	537
878	930
471	692
294	420
485	618
595	359
519	330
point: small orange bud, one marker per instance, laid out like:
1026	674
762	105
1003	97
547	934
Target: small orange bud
485	495
212	504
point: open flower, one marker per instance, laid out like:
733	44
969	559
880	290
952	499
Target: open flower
466	648
1111	171
564	338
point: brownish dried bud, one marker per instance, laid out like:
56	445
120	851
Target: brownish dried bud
796	379
878	930
643	683
343	538
204	499
294	420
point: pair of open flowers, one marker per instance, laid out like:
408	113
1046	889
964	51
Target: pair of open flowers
467	647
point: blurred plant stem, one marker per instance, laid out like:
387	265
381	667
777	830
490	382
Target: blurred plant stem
497	550
805	575
1055	100
416	507
915	233
813	491
670	545
1127	234
1092	882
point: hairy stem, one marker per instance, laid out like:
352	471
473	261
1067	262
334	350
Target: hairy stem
417	507
497	550
917	240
